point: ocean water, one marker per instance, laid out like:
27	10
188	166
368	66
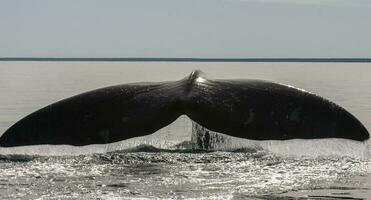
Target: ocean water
168	164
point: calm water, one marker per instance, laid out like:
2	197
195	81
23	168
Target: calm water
166	165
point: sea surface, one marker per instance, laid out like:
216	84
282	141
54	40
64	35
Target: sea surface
168	164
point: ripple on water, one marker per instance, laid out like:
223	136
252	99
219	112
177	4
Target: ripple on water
182	173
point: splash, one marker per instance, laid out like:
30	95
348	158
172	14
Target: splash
210	140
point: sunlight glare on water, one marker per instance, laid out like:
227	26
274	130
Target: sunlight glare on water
170	164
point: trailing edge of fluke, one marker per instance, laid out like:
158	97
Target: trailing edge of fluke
251	109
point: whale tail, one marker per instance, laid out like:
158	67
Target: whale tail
251	109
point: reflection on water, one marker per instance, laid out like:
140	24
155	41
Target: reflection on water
168	164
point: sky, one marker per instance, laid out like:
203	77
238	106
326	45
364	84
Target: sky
186	28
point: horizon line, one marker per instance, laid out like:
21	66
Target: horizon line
184	59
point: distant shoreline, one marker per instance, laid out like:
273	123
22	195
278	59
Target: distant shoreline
348	60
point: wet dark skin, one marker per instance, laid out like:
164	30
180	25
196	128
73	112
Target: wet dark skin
251	109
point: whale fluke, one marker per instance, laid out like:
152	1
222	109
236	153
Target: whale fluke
251	109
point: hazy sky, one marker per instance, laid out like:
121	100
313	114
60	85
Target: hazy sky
188	28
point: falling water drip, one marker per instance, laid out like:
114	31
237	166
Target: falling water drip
205	139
